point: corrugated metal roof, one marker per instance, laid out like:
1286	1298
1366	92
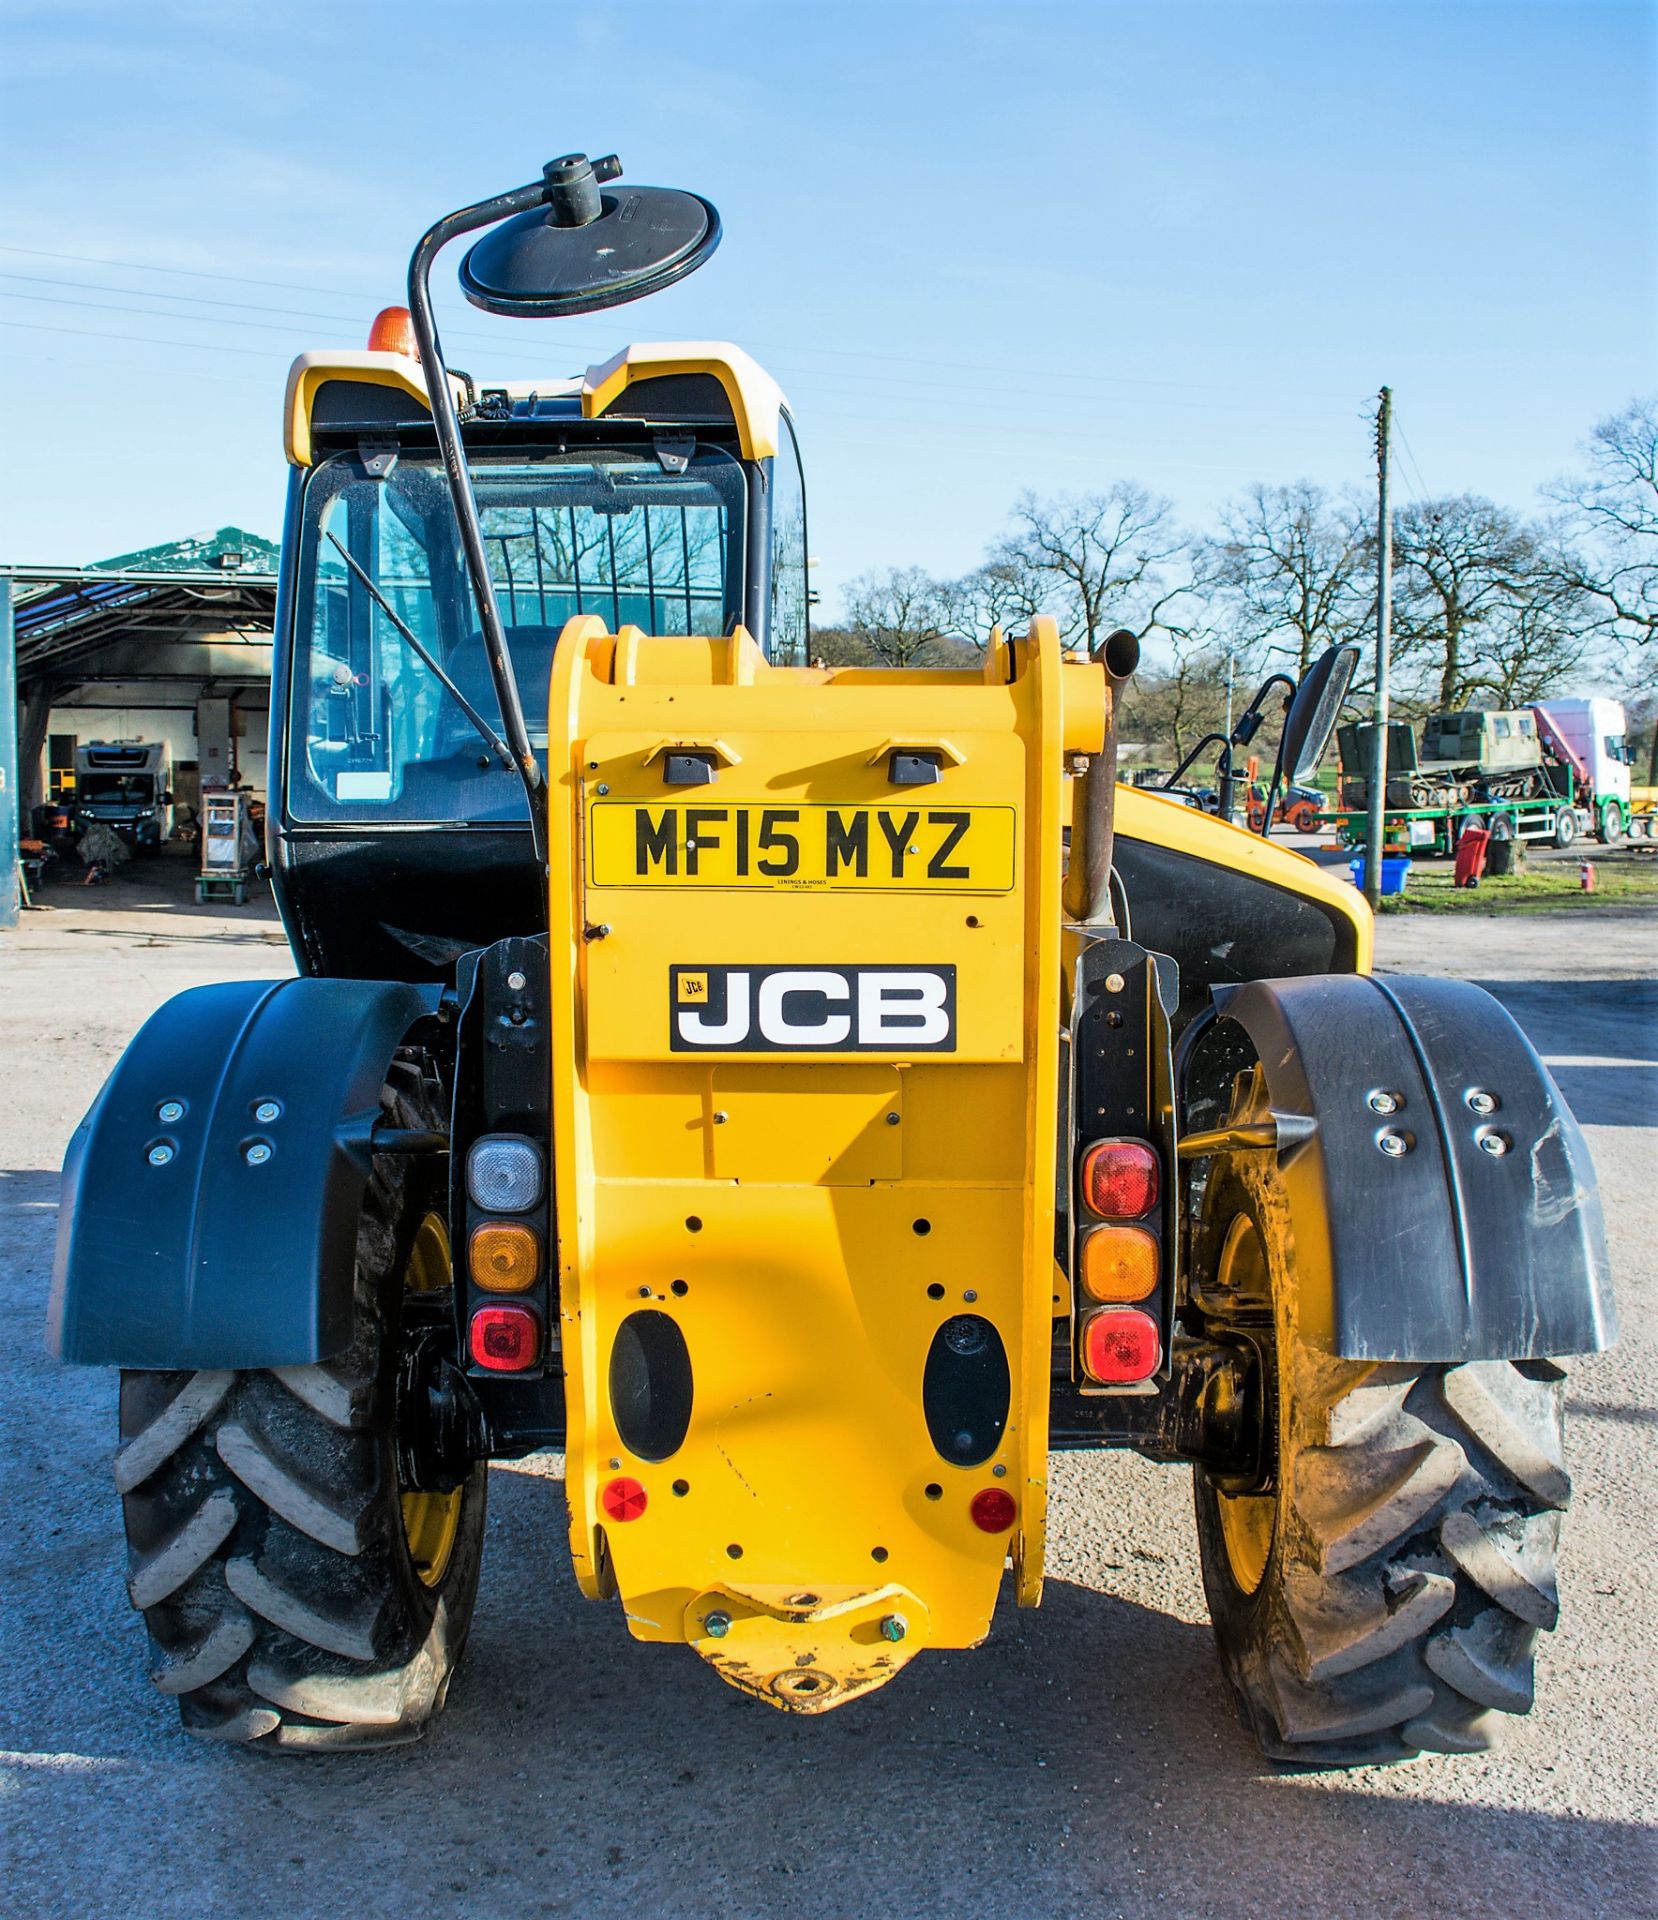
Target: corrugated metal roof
217	582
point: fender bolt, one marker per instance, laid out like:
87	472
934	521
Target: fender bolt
1481	1102
516	981
1382	1101
170	1111
1494	1144
717	1625
257	1154
1394	1145
894	1626
160	1154
1114	983
266	1112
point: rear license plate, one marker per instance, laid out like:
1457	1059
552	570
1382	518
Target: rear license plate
808	847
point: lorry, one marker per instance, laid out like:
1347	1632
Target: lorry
123	784
1590	737
1550	772
806	1096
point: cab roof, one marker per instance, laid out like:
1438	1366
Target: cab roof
688	383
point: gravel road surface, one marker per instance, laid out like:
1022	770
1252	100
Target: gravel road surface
1084	1762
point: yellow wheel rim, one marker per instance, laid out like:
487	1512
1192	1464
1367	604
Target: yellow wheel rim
430	1520
1247	1520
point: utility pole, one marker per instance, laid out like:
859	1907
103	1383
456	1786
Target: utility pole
1377	795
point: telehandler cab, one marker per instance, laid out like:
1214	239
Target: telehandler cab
716	1065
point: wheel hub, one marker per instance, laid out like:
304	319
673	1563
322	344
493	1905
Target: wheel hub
438	1427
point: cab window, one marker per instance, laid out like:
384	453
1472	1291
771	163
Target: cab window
789	626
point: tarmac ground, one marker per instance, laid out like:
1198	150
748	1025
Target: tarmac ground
1086	1761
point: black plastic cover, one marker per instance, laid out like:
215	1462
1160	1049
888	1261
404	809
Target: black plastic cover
175	1248
1484	1238
644	239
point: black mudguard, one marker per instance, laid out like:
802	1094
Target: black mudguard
1449	1251
174	1249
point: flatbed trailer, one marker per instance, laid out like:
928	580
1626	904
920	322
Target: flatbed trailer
1430	831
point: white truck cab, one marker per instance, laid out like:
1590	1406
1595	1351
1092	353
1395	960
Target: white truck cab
1588	734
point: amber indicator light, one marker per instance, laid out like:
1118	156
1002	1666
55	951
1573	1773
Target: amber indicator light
1119	1263
505	1257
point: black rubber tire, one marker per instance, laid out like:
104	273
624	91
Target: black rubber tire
265	1537
1414	1533
1565	828
1609	824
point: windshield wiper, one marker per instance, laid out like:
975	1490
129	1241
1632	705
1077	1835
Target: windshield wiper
485	731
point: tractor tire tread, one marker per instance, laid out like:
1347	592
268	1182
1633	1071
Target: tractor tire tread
265	1541
1413	1561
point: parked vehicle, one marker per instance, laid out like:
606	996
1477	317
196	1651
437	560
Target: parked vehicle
1591	737
1299	808
123	784
726	1071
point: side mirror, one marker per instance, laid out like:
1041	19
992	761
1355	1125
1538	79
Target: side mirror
581	250
1314	711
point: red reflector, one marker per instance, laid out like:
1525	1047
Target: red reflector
393	332
993	1510
1120	1179
1120	1345
623	1499
505	1339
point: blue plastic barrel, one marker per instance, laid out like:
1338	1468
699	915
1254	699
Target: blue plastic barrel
1395	871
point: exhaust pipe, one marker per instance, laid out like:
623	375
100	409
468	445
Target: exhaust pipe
1088	879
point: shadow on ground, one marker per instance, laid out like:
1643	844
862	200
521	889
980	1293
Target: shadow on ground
1611	1021
1084	1762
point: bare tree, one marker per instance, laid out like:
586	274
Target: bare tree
1169	709
1002	593
1483	603
1613	512
1097	559
897	615
1290	572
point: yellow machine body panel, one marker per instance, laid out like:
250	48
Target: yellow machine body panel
1166	821
813	1029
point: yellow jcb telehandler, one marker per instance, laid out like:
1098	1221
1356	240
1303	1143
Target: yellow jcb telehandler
808	1096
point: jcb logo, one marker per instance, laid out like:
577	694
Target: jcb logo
812	1009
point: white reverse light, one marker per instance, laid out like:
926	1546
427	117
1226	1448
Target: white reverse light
503	1173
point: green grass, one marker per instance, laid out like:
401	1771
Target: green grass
1621	879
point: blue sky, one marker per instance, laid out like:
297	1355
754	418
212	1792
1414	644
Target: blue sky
984	247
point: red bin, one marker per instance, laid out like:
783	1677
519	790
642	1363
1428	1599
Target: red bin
1471	849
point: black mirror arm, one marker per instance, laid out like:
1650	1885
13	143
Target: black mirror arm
444	419
1209	739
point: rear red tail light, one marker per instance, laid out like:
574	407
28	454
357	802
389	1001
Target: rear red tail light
993	1510
505	1339
1120	1179
1119	1346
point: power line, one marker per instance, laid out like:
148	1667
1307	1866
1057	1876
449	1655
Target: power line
999	370
1410	455
800	380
